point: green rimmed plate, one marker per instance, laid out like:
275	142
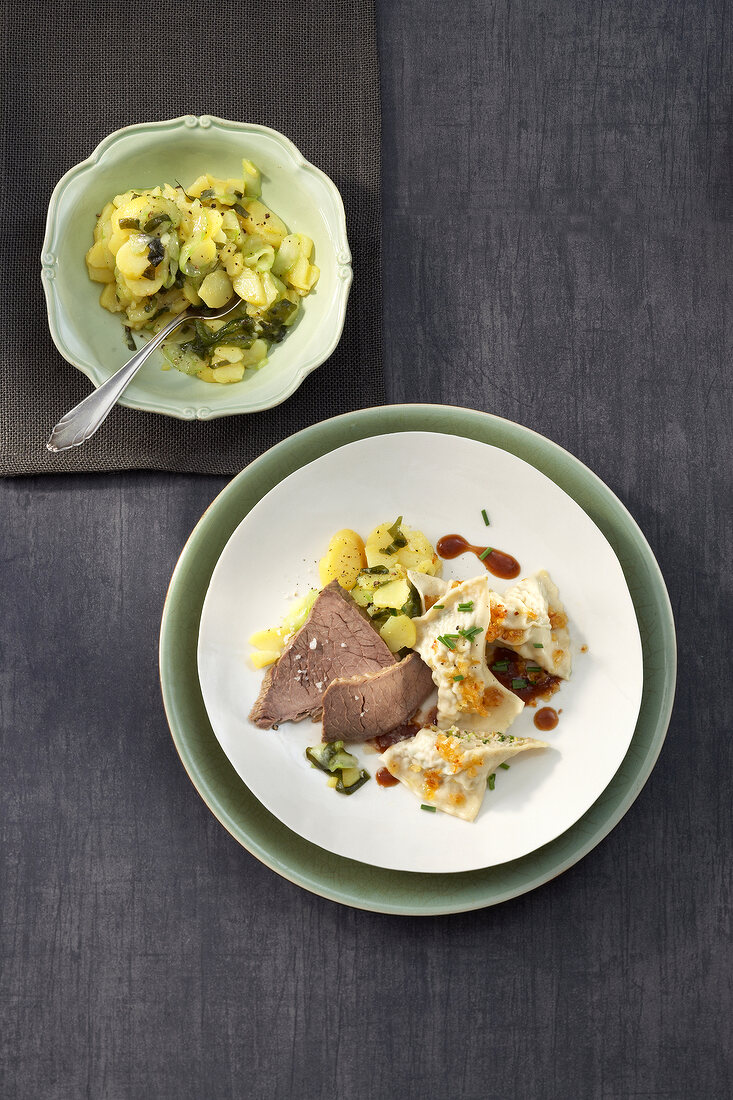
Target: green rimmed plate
344	880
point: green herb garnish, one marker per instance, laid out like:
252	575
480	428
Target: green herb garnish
156	251
128	338
398	539
272	326
491	781
533	668
448	640
471	633
538	645
439	606
208	193
505	767
129	223
501	666
239	333
428	809
459	677
468	606
487	551
519	683
153	223
485	517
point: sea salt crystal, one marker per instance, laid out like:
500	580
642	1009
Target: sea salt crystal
313	643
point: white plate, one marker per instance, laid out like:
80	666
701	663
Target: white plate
440	484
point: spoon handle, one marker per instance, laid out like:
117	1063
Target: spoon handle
81	422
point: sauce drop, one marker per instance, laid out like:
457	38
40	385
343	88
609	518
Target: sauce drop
383	742
512	668
546	718
496	561
386	779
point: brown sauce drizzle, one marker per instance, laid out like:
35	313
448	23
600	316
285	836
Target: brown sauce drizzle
386	779
383	742
546	718
540	685
497	562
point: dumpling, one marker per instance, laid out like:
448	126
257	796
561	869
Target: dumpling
544	638
451	639
448	769
429	589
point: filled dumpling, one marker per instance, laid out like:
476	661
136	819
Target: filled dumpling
449	769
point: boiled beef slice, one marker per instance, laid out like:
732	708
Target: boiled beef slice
366	706
337	640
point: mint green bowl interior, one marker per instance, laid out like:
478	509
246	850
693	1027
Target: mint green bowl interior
333	876
182	149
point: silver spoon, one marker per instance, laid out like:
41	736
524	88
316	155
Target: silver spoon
81	422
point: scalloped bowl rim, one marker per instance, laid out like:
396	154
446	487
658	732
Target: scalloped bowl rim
190	122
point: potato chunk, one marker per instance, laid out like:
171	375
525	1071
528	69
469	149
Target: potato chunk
343	559
394	594
418	554
399	632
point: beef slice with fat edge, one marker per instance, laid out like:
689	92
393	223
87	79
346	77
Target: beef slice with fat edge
336	641
366	706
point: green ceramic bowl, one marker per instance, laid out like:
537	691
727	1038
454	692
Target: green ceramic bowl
345	880
182	149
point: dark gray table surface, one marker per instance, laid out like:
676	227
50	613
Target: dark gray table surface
557	250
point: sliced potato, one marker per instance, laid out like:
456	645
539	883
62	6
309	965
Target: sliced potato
216	289
399	632
264	657
227	372
418	554
368	583
394	594
343	559
267	639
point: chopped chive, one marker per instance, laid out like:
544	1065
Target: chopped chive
471	634
459	677
487	551
533	668
440	606
486	518
428	809
519	683
538	645
491	781
501	666
448	639
466	606
505	767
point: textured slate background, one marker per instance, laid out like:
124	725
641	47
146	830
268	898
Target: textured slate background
557	247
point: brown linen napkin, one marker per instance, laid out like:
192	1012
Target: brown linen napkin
83	69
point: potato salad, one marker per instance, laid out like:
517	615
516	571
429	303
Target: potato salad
161	250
